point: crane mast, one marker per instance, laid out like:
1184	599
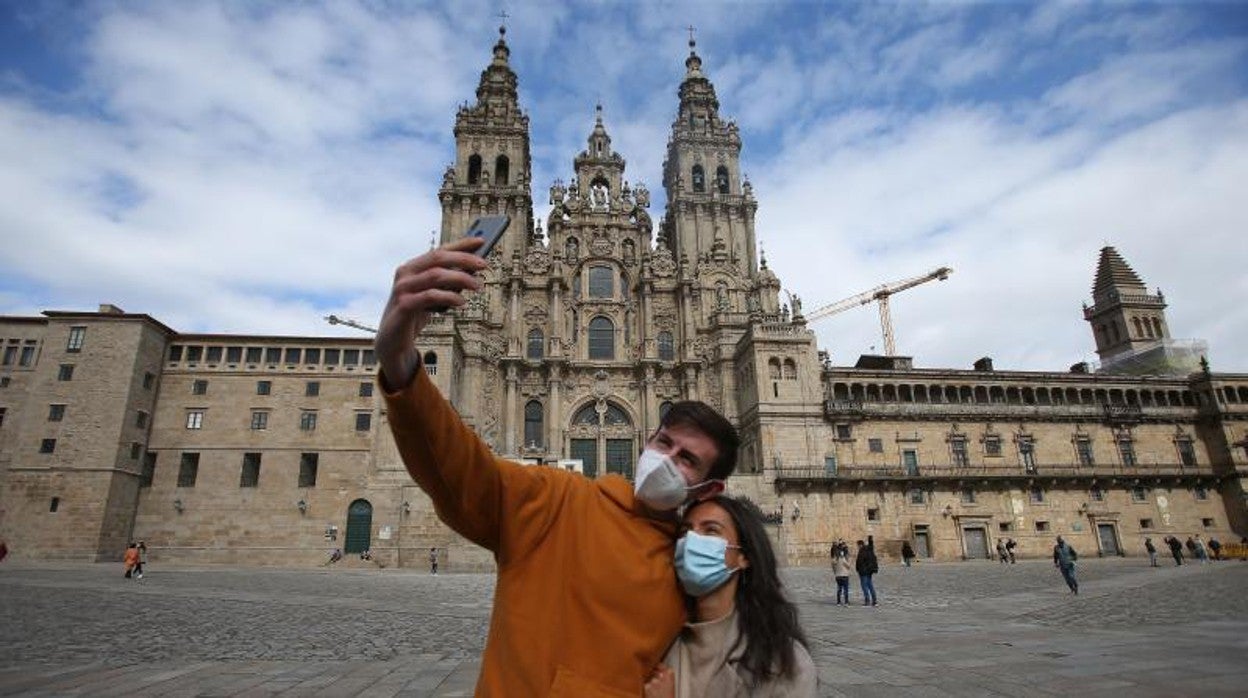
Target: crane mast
880	294
335	320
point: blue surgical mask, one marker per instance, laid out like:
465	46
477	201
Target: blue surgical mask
700	563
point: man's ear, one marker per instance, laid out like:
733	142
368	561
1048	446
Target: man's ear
709	489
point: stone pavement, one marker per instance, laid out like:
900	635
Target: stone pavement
973	629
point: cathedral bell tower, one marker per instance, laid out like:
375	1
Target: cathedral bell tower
710	209
1125	318
492	169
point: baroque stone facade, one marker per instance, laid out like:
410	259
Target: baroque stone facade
271	450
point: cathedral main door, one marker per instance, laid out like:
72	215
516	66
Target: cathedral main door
603	438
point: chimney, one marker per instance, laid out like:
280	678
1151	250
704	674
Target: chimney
984	364
110	309
1081	367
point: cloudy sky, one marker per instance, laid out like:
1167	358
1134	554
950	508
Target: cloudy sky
251	167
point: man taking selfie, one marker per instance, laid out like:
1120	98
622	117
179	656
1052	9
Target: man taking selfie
587	600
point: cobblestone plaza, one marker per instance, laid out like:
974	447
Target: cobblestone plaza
972	628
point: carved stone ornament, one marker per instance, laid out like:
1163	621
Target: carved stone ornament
535	315
601	247
665	321
537	262
663	264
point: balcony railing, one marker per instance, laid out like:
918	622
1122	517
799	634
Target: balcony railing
853	407
996	472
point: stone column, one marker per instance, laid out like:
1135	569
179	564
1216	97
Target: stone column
555	428
509	412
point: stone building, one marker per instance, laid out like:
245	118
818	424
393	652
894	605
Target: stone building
273	450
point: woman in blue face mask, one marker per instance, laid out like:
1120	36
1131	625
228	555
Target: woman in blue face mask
743	638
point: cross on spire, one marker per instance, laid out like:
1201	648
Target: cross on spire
502	15
692	42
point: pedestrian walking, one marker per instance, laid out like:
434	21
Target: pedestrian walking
1202	553
840	572
1176	549
433	560
1064	558
138	572
131	560
4	550
1152	551
1215	546
1002	556
867	565
1009	548
907	553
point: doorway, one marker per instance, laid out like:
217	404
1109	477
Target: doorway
975	538
1108	537
359	527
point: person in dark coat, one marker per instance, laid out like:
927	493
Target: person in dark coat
1152	551
907	553
1064	558
1176	549
867	565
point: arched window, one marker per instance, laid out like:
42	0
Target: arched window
601	282
667	351
721	179
535	344
699	178
1139	329
502	170
790	369
601	339
533	437
474	169
431	363
1157	327
572	249
773	369
614	416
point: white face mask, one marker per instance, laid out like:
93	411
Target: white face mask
659	483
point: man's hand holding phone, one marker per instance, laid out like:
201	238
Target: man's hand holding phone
435	280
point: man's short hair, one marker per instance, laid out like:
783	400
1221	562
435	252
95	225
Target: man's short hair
704	418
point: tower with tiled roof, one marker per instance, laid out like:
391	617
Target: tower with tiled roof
1124	316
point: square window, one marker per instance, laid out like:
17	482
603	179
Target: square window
1207	523
1139	494
332	357
873	514
1097	494
254	354
194	419
250	476
149	379
47	446
370	358
54	504
957	448
149	470
76	337
28	356
363	421
829	465
140	420
65	373
259	420
1083	449
214	355
233	355
175	353
199	387
1036	495
1146	524
1042	526
292	355
308	463
844	432
2	411
351	357
917	496
875	445
136	450
968	496
312	389
56	413
264	387
10	355
311	356
1200	493
188	470
272	355
366	389
194	354
1004	526
307	421
992	445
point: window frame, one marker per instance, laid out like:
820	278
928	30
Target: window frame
77	338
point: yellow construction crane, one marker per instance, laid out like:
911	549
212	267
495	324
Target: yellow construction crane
880	294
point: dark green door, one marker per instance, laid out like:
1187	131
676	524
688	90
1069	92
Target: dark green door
359	526
620	457
587	451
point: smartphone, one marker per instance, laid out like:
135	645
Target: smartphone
490	229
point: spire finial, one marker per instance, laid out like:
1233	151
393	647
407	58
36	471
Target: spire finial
502	27
598	112
692	41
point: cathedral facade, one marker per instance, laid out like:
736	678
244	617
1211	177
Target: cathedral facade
272	450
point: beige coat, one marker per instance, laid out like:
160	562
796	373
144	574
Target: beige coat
723	677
